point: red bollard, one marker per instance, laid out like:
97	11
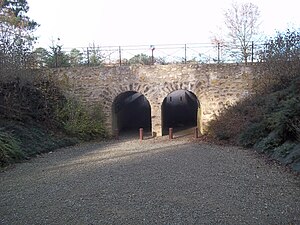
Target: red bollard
141	134
196	132
170	133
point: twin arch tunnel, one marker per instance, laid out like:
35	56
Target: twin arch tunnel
131	111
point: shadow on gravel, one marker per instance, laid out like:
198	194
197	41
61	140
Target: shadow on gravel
114	152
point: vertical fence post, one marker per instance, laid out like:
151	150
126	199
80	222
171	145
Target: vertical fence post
88	56
185	53
218	52
152	54
252	51
120	56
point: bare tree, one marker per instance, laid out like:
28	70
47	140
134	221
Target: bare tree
242	21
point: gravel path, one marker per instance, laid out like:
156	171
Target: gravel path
151	182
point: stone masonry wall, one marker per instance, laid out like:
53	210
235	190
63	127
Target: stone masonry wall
215	85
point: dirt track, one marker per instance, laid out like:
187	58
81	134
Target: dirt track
151	182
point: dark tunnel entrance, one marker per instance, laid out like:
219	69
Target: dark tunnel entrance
179	111
131	111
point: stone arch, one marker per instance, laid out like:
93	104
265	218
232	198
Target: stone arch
130	111
181	109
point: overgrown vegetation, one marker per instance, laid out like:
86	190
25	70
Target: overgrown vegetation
35	116
268	121
79	122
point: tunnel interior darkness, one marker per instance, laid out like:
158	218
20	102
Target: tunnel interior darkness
131	111
179	111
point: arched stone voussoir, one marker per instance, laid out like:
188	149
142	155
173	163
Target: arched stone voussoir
170	87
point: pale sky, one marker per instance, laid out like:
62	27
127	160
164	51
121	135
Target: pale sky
134	22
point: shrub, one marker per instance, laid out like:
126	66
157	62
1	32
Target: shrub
295	125
76	120
269	143
253	134
281	62
283	151
9	148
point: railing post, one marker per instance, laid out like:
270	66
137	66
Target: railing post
185	53
152	54
252	51
88	56
218	52
170	133
120	56
141	134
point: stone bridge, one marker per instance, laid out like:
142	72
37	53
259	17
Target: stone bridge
128	93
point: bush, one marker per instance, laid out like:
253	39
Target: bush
77	121
9	148
281	62
27	101
255	133
269	121
269	143
284	150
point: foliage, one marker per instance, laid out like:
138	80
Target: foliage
254	133
76	57
242	22
16	37
9	148
27	139
265	122
281	62
28	121
81	123
39	119
41	57
141	59
28	101
244	113
95	55
57	57
269	120
295	125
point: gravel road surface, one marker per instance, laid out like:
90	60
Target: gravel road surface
155	181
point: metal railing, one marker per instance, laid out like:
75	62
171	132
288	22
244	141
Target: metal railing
156	54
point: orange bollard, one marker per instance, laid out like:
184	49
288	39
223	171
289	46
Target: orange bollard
170	133
141	134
